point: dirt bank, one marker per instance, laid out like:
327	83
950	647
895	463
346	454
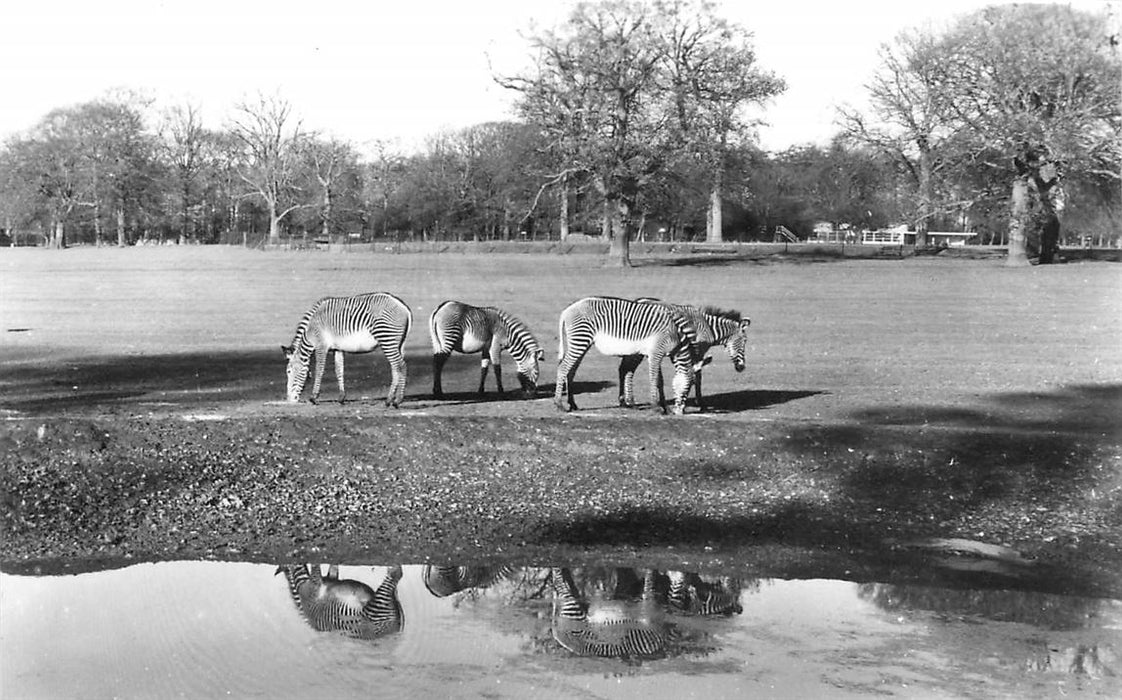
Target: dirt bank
372	485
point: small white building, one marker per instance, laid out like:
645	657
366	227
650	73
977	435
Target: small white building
900	235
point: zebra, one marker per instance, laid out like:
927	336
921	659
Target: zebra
645	637
357	324
331	604
692	595
622	327
458	327
443	581
713	326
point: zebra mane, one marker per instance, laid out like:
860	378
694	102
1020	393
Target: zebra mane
722	313
513	325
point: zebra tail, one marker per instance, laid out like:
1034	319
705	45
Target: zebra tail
434	331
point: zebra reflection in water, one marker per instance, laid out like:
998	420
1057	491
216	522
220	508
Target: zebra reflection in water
331	604
443	581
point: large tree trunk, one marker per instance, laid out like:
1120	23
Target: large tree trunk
619	252
1045	181
1018	222
122	241
97	223
715	224
326	228
925	195
274	225
564	207
58	235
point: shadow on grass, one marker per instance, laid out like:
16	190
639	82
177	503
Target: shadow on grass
736	401
194	378
1017	465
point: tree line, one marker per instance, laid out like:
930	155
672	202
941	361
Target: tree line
630	123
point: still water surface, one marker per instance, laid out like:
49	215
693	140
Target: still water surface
209	629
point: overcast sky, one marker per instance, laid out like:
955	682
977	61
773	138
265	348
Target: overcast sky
397	70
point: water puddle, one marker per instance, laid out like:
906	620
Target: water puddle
209	629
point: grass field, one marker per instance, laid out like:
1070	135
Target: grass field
89	328
884	400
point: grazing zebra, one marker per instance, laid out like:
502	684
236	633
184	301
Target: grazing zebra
643	637
355	324
692	595
331	604
622	327
713	326
443	581
459	327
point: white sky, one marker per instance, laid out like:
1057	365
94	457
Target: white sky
397	70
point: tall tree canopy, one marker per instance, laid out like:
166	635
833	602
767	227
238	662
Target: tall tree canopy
1036	89
624	89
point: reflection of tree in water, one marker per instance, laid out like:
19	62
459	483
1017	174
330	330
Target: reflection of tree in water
1050	612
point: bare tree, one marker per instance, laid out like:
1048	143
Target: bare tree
712	74
184	145
273	149
334	166
911	118
592	91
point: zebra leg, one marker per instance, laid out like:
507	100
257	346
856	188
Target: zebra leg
566	371
627	366
484	366
438	360
321	363
339	375
398	372
697	391
683	377
397	385
492	354
498	377
658	397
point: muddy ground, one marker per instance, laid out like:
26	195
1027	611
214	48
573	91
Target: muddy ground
919	420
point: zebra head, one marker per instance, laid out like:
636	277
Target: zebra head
296	371
736	344
528	368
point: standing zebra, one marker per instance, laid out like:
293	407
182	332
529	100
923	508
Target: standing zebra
331	604
355	324
622	327
626	637
713	326
458	327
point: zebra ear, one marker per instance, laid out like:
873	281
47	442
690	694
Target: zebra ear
287	350
540	355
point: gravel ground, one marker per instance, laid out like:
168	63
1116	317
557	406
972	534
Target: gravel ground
373	485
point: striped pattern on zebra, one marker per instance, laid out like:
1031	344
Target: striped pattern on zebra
443	581
692	595
624	638
331	604
458	327
713	326
622	327
356	324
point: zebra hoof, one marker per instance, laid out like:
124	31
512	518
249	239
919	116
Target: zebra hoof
313	400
